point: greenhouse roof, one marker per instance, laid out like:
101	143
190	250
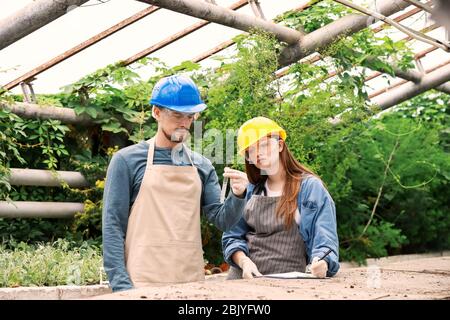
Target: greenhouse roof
172	37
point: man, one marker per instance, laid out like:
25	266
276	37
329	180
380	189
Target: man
152	203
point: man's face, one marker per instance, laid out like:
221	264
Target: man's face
175	125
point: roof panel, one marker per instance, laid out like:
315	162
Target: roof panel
80	24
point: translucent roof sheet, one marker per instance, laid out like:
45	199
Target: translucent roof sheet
92	18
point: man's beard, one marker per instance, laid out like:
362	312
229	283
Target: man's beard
179	135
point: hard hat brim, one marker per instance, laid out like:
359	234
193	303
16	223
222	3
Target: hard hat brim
281	133
187	109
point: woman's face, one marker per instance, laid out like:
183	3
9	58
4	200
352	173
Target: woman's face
265	154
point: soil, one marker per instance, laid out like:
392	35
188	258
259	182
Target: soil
424	278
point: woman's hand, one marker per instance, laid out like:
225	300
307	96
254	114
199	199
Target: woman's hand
238	181
249	268
319	268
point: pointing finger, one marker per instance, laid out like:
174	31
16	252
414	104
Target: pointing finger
233	175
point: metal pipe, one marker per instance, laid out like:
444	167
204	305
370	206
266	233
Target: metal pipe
34	111
35	209
46	178
326	35
227	17
32	17
443	87
410	89
436	76
176	36
411	32
421	5
230	42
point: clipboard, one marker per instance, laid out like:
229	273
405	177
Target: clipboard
291	275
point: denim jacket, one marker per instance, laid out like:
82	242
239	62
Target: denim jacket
317	226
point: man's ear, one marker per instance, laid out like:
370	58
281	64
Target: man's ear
156	113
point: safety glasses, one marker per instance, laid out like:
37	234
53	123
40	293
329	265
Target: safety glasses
265	145
180	116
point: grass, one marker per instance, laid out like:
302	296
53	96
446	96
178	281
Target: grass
50	264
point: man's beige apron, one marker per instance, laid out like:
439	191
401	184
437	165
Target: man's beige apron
163	241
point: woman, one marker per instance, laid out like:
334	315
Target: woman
289	219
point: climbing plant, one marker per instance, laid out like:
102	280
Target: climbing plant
375	167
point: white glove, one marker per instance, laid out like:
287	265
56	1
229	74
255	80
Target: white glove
319	268
248	268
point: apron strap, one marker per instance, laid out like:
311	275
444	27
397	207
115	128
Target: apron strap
188	153
260	189
151	150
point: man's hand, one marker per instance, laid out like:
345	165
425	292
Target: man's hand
248	267
319	268
238	181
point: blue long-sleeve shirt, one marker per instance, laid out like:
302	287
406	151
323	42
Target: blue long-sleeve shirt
317	226
123	181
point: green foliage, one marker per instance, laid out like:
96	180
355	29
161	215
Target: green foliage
51	264
241	89
117	92
11	127
211	241
116	98
238	90
33	230
412	203
388	175
40	143
317	15
87	224
379	236
350	157
365	48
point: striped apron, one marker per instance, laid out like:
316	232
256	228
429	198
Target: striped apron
271	247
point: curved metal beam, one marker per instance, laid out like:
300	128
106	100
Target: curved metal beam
326	35
32	17
411	89
227	17
35	209
46	178
34	111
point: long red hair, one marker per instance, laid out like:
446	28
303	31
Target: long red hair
295	171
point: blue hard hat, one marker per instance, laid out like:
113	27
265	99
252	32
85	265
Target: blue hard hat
178	93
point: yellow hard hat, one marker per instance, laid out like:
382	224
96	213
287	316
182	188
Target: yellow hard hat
254	129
